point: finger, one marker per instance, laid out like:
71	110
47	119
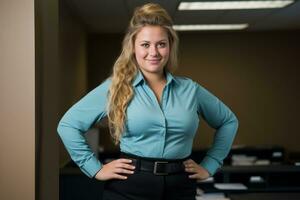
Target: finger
124	160
190	162
190	170
189	165
129	167
187	169
123	171
118	176
193	176
125	166
185	162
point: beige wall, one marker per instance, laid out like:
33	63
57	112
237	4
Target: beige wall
255	74
17	104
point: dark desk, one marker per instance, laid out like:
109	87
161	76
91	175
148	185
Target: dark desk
265	196
275	178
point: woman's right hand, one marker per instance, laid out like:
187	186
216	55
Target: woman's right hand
114	169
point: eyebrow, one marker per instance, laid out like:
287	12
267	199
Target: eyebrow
164	40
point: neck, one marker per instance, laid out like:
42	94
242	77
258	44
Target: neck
155	78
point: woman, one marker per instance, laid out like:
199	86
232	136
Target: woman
153	116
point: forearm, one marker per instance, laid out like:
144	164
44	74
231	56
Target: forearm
224	137
79	150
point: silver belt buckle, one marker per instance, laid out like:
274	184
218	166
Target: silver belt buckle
155	168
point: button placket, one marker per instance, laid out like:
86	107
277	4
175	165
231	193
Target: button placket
161	109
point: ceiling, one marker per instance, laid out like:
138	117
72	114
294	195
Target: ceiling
112	16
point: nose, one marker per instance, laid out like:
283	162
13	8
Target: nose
153	51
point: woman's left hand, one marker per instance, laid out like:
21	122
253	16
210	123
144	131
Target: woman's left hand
198	172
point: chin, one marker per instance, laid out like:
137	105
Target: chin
154	70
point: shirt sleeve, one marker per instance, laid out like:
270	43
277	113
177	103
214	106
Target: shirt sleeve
78	120
223	120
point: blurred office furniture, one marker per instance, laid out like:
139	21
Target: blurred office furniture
263	172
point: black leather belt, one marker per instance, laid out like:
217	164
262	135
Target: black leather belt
157	167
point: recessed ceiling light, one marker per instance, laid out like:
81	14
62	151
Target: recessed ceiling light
226	5
200	27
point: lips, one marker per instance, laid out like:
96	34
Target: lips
155	61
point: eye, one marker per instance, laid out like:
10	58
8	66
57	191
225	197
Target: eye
162	44
146	45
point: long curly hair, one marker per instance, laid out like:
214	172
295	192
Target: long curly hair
125	67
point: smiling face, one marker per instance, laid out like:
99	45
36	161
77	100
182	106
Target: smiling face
152	49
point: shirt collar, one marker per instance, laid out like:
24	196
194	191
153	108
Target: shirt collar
139	78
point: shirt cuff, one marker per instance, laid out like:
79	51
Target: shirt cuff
210	164
91	167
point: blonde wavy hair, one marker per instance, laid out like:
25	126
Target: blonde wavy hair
125	68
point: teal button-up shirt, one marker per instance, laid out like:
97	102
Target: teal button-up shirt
164	129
